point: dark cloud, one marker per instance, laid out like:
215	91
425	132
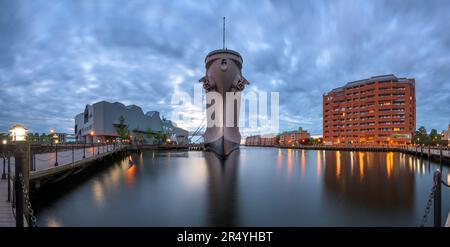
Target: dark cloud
57	56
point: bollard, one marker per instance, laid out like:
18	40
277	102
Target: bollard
84	150
73	155
437	198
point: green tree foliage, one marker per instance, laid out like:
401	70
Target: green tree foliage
161	136
122	129
423	138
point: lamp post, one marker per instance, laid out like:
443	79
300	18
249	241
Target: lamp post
92	140
56	152
55	141
84	150
21	155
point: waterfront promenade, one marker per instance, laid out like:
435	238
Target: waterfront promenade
438	153
48	165
6	212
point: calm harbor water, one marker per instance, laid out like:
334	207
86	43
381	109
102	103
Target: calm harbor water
254	187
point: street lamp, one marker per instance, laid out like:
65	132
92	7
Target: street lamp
55	138
18	133
19	138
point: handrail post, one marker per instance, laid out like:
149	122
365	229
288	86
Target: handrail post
56	154
4	164
437	198
84	150
18	188
73	154
9	179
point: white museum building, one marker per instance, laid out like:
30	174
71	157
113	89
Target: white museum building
99	122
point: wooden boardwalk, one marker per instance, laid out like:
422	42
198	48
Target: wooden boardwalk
69	161
6	214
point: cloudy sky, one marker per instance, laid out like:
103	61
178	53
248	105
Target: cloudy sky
57	56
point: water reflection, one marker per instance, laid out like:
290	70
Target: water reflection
253	187
318	163
222	179
98	193
376	183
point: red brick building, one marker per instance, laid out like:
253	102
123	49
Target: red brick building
378	110
294	137
253	140
257	140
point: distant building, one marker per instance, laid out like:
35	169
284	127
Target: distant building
378	110
446	135
269	140
294	137
258	140
253	140
57	137
100	120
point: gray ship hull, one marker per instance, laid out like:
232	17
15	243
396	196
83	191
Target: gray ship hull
223	75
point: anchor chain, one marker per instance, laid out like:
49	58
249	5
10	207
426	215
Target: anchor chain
428	207
29	209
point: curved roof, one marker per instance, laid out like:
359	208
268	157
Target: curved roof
223	51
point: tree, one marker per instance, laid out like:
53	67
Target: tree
434	137
421	136
122	129
161	136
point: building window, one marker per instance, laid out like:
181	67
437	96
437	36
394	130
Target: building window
86	115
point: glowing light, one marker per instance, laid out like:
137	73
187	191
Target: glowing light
18	133
4	142
319	165
303	162
92	133
52	131
361	165
280	159
390	163
289	161
338	164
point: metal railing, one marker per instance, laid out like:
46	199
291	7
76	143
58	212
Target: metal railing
435	199
63	154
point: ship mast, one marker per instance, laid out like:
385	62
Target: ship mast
223	35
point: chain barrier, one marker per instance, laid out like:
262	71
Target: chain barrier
44	160
29	209
428	207
445	184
